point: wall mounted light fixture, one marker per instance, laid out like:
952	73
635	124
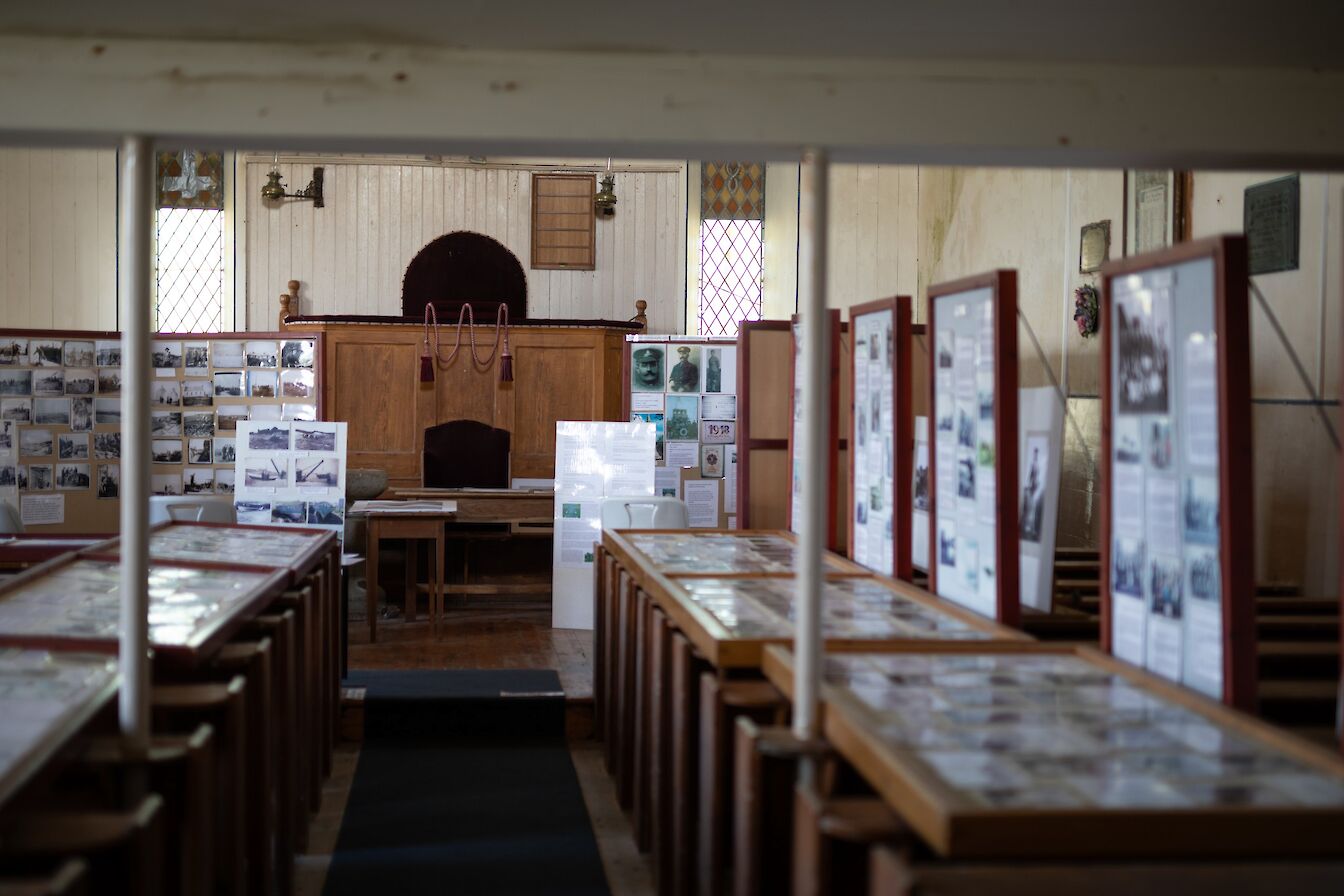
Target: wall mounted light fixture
274	191
605	200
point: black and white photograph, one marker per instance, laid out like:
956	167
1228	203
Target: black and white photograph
79	354
711	461
166	483
1032	511
196	355
9	475
681	421
109	480
36	442
226	418
49	382
21	477
253	512
269	438
261	472
198	482
1128	441
199	424
228	354
165	392
199	451
40	478
72	477
946	357
1159	443
289	512
921	485
197	393
263	412
1143	351
296	383
646	368
228	385
165	423
965	425
317	472
861	512
82	382
966	477
46	352
947	543
946	416
1165	586
326	513
13	351
684	374
224	481
81	414
297	354
16	410
18	382
304	412
261	383
166	354
72	446
51	411
166	451
1127	567
107	445
260	354
984	395
225	453
109	380
1200	509
107	411
714	369
315	437
1204	573
7	433
107	353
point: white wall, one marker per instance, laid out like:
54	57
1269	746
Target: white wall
350	256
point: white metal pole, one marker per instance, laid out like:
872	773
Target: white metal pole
816	413
134	242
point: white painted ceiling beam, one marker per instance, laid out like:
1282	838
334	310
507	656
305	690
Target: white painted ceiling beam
361	98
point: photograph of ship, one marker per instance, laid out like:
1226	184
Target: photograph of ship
266	475
323	473
314	439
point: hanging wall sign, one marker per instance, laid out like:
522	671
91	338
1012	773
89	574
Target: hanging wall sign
973	456
1177	578
880	429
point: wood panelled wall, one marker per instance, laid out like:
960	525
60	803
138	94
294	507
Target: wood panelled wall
350	256
58	238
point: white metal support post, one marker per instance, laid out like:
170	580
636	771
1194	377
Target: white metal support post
816	413
135	235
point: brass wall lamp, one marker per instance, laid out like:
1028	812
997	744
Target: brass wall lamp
605	200
274	191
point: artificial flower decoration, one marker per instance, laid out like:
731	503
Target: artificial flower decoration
1086	310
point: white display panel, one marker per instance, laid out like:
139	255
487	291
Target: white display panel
963	440
290	473
1165	563
920	499
797	461
870	438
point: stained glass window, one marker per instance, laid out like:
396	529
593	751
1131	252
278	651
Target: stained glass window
732	245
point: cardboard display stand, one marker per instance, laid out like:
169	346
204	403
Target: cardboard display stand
1177	577
973	444
835	465
880	428
60	391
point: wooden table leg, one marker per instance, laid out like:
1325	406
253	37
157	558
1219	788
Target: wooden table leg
440	579
685	736
412	578
660	757
371	575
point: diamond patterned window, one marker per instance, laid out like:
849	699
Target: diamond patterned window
732	245
189	264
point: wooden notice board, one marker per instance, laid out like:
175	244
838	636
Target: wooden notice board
764	349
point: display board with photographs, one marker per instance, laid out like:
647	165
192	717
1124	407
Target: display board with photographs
973	451
61	390
967	745
1177	557
800	466
1040	414
290	473
686	386
880	427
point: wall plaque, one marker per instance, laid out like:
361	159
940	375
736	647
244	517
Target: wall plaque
1271	215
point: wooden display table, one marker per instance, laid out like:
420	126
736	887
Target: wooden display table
563	370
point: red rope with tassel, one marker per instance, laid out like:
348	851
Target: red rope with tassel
427	361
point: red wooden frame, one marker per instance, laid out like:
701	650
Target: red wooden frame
902	429
1003	285
1236	529
745	442
833	443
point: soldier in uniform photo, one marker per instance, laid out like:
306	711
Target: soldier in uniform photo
646	371
685	376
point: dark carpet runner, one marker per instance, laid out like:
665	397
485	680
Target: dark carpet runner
464	786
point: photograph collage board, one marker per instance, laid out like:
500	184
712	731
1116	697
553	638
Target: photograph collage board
1166	565
964	450
61	396
873	432
687	388
291	473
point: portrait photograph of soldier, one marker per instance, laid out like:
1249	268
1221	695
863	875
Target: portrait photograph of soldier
646	369
685	374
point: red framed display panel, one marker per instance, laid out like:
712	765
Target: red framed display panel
1231	321
763	427
1002	285
833	442
902	429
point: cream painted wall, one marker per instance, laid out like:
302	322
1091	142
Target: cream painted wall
58	254
350	256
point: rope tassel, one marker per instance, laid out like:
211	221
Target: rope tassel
428	359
